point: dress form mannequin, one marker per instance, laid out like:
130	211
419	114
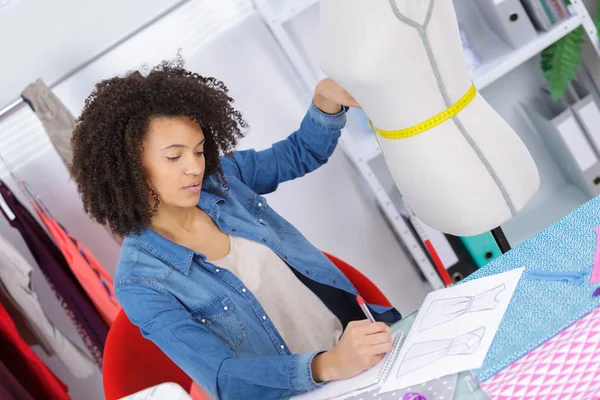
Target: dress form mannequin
403	61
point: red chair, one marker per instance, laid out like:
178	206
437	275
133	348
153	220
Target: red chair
133	363
367	289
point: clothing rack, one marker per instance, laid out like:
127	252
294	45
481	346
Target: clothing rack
17	104
24	186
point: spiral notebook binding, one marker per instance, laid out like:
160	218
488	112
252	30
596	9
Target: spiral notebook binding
391	357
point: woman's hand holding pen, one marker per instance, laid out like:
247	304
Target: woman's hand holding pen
363	344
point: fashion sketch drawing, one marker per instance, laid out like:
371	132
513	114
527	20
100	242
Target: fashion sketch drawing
444	310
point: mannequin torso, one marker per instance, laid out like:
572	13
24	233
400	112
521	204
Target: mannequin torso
403	62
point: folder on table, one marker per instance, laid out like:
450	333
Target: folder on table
538	15
441	245
571	148
452	252
588	113
483	248
509	20
466	264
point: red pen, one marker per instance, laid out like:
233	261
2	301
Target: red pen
363	306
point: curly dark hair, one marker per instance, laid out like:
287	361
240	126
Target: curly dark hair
107	140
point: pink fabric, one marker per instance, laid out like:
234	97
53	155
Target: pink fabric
565	367
95	280
596	270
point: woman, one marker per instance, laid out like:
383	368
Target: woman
226	287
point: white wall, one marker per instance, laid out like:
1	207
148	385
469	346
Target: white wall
328	206
42	40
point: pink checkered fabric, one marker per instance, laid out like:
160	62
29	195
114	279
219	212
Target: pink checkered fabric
565	367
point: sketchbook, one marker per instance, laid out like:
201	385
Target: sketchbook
453	330
368	380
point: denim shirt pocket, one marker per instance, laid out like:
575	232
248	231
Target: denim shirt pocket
221	318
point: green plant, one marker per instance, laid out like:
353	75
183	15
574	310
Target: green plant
561	60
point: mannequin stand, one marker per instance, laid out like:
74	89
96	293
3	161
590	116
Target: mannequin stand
501	239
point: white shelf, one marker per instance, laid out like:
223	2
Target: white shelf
364	147
369	148
286	10
498	58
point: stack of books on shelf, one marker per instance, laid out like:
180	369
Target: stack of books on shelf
546	13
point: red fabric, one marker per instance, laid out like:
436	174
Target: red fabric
367	289
95	280
25	365
133	363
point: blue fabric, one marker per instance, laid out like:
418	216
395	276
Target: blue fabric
539	308
201	316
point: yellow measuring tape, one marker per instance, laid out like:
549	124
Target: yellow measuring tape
431	122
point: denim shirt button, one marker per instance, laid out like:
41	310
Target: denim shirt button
244	290
260	204
217	270
282	347
203	321
225	308
264	317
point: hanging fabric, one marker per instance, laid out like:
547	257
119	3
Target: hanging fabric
92	276
10	387
58	122
89	323
21	302
25	365
56	118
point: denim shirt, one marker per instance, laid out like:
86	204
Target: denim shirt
203	317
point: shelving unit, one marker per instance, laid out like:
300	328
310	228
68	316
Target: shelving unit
497	60
286	10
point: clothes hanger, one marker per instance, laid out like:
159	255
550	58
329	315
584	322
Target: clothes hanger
6	209
3	205
25	189
33	197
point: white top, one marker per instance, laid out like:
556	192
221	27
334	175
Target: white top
304	322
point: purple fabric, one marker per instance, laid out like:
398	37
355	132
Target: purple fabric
413	396
90	325
10	387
